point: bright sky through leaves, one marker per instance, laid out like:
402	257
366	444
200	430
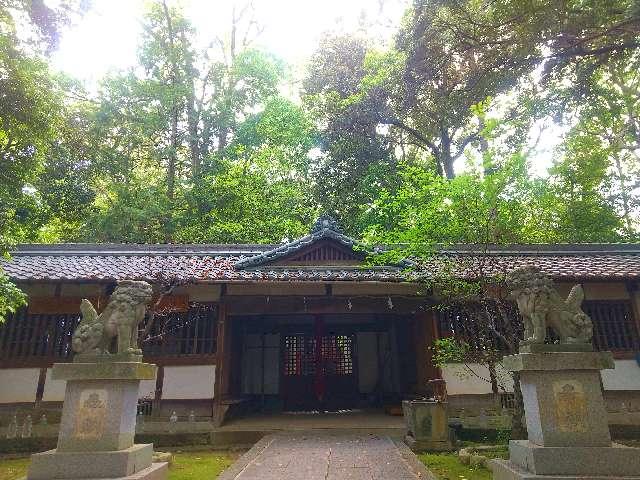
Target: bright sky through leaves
107	36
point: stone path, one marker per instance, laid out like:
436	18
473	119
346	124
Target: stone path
327	456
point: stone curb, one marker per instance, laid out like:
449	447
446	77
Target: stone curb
410	458
239	465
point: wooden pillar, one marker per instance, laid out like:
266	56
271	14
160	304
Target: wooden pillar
634	293
40	388
223	367
425	334
156	409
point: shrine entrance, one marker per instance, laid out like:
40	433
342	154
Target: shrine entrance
319	362
319	370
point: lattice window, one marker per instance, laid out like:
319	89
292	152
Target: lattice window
300	355
472	323
292	355
24	336
193	332
32	336
337	354
614	327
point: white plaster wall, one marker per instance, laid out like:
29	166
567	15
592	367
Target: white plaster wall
460	380
53	389
147	389
473	380
188	382
18	384
626	376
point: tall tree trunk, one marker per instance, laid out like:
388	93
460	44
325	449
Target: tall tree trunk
228	114
193	115
624	194
446	159
493	377
172	157
174	117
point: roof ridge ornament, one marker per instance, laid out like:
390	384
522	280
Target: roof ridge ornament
326	222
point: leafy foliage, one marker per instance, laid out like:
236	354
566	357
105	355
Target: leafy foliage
430	140
11	297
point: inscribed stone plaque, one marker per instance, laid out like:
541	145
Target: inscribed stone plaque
570	406
91	414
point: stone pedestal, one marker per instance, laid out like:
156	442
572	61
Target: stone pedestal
566	421
97	428
427	425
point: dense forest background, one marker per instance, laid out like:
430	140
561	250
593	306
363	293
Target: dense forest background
432	139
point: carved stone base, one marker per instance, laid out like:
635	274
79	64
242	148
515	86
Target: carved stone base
506	470
566	421
157	471
562	397
616	460
97	427
99	411
115	464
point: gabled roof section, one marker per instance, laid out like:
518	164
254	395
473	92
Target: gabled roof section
324	245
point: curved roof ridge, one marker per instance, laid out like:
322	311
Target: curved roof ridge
296	245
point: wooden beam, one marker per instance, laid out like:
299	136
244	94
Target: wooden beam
173	303
61	305
31	362
257	305
433	334
420	346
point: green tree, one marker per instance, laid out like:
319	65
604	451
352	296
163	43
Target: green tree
165	125
258	192
354	158
30	105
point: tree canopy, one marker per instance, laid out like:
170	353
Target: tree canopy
432	138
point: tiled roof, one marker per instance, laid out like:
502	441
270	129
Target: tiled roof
107	262
592	262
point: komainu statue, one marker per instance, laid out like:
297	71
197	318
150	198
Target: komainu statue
120	318
541	306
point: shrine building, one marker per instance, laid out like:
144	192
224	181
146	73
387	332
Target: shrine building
305	325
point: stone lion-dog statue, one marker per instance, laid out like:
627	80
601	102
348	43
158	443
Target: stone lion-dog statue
541	306
120	318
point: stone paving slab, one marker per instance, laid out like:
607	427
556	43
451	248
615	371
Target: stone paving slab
328	456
